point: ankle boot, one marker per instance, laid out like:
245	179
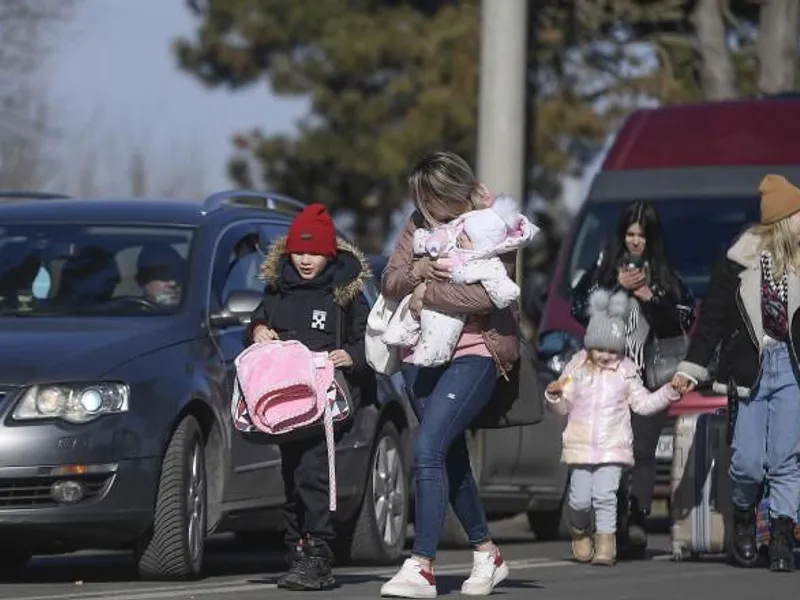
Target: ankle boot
582	545
637	530
744	546
295	558
313	570
781	546
605	549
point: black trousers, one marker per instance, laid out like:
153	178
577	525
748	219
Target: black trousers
304	465
641	480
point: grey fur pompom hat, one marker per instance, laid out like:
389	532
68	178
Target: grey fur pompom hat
608	316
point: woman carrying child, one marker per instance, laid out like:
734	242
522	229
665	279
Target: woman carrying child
447	398
313	295
598	389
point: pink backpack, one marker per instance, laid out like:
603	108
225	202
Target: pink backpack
283	387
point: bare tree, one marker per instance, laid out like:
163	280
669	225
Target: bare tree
110	165
27	32
779	23
716	67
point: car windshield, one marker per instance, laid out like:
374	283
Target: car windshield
58	269
695	232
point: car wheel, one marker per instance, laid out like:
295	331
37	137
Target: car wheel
12	561
548	525
174	547
379	534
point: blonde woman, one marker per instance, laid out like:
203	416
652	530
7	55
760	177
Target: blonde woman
751	307
448	398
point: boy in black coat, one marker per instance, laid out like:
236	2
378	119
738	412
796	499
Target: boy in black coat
313	295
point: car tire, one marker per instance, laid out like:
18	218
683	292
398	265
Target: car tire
13	561
379	533
173	548
548	525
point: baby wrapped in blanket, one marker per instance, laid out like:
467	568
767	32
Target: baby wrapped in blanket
492	232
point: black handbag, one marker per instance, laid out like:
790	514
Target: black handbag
518	400
661	359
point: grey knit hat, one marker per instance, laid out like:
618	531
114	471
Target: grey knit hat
608	318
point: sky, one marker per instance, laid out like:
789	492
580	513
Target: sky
116	86
113	75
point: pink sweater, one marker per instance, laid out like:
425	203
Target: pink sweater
471	343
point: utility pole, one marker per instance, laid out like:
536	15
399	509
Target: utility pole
502	118
501	103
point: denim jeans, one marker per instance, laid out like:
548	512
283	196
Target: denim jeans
446	400
766	439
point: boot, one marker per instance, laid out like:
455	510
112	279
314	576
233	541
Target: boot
781	546
582	545
296	560
744	546
605	549
313	570
636	546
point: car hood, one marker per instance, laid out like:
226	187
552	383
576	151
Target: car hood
35	350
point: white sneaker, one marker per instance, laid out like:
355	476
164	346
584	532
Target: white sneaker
488	570
412	581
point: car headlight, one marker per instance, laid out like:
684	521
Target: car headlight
75	403
556	348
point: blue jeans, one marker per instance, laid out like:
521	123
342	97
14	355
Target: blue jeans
446	399
766	439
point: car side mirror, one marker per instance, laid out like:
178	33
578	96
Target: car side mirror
238	308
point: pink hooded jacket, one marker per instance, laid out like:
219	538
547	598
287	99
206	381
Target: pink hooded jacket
598	403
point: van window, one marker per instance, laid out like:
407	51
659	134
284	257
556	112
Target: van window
695	232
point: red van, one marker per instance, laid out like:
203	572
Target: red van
700	164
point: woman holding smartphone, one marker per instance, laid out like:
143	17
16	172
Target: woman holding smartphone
635	260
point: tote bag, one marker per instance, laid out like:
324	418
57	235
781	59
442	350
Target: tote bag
383	359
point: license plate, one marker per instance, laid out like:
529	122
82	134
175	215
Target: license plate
665	448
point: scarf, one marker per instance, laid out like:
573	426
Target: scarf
637	332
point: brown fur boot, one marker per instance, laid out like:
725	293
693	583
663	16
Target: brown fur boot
605	549
582	545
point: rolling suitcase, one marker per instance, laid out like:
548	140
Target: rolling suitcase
701	509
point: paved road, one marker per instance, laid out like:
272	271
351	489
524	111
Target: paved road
539	570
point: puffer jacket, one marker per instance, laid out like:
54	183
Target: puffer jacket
499	327
598	402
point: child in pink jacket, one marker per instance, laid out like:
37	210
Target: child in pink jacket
597	391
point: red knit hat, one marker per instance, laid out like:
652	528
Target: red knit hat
312	232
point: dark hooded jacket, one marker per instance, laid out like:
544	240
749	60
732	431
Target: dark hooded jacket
322	312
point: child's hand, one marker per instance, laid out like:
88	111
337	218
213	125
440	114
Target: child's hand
340	359
464	241
556	388
262	334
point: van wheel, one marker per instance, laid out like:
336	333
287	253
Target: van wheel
379	534
173	549
453	536
548	525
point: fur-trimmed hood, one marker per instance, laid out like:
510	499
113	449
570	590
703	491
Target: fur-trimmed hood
350	280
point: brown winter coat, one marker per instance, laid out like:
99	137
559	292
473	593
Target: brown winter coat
500	327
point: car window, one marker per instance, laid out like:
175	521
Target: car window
237	264
74	269
695	232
